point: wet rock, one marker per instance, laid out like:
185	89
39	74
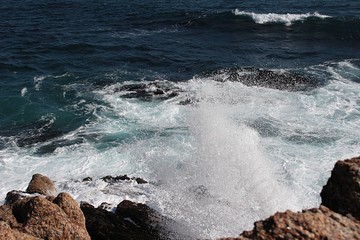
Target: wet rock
281	80
161	90
87	179
111	179
342	191
41	184
102	224
44	217
130	221
140	180
317	223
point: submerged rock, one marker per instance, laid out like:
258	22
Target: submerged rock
161	90
111	179
342	191
281	80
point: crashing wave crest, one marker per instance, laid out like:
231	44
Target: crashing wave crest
287	19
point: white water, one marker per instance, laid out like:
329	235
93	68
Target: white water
287	19
238	154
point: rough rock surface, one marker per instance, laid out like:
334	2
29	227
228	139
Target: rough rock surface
342	191
317	223
6	232
130	221
41	184
39	217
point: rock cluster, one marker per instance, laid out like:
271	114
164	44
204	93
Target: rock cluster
38	214
337	217
42	215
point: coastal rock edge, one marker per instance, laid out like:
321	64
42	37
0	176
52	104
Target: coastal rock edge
337	217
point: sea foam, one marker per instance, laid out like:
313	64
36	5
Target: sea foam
287	19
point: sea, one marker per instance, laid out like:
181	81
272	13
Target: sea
156	90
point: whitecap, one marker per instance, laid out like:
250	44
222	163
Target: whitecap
287	19
24	91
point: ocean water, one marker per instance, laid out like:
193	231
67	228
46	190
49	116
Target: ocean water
156	90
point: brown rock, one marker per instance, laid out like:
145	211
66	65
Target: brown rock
10	234
342	191
45	218
41	184
317	223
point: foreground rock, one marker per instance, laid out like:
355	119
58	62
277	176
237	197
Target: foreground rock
41	217
317	223
133	221
338	219
342	191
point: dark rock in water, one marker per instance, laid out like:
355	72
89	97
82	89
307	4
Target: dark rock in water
342	191
149	91
140	181
281	80
317	223
111	179
33	137
41	184
87	179
28	134
130	221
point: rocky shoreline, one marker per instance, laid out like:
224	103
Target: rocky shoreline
38	214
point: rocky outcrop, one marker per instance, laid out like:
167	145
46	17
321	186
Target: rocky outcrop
44	216
336	218
26	216
342	191
317	223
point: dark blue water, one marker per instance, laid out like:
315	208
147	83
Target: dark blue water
174	39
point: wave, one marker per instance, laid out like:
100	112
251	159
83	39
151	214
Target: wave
287	19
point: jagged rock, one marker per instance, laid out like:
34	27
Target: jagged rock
342	191
111	179
43	217
41	184
317	223
133	221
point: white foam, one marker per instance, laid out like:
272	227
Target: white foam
23	91
236	155
287	19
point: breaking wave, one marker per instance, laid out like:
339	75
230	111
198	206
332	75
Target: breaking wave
287	19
